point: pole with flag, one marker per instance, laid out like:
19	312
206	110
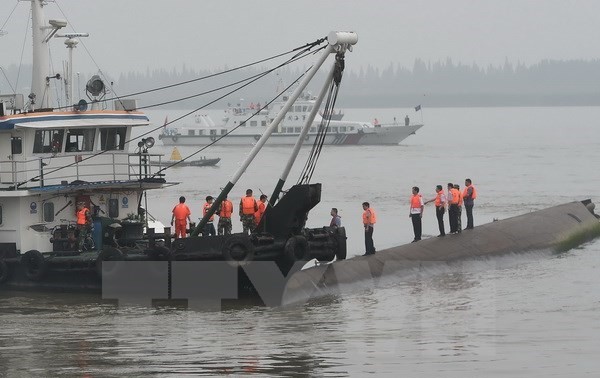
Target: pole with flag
417	109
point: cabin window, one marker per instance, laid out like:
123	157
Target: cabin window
112	138
80	140
191	132
343	129
309	108
213	132
298	108
223	131
48	141
334	129
305	108
48	210
253	123
313	129
113	207
243	124
352	129
16	145
200	132
297	129
263	123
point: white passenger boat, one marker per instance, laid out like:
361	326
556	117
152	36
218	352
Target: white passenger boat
205	131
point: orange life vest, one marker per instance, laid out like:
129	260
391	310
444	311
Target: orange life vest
226	209
81	217
460	198
261	210
369	216
181	211
205	209
249	206
455	196
473	194
415	201
438	198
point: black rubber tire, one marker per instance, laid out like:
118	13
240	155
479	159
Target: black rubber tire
160	253
296	249
34	264
342	251
5	272
174	138
107	254
238	250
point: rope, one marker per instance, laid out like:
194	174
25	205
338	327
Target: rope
315	152
295	58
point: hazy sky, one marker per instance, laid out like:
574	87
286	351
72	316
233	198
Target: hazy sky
132	35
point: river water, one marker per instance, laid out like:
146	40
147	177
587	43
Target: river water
534	314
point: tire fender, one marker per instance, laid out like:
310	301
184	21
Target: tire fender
5	272
296	249
238	250
107	254
34	264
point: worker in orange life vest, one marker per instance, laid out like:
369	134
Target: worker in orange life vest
416	212
369	219
453	200
84	224
180	213
469	195
440	208
460	205
209	227
224	226
262	207
248	207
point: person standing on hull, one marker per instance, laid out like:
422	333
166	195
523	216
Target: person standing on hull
248	207
181	214
416	212
460	205
469	196
440	208
369	219
336	220
453	200
84	223
209	228
225	210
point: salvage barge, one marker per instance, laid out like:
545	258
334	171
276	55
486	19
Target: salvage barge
60	158
555	229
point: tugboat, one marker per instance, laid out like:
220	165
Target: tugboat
60	158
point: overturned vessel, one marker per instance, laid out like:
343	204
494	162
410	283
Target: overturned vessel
556	229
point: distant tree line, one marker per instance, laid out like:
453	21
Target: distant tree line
445	83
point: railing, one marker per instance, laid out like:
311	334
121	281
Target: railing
62	169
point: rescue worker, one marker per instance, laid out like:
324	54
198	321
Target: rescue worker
469	196
369	219
225	211
416	212
181	213
460	205
84	224
209	227
262	207
248	207
453	199
440	208
336	220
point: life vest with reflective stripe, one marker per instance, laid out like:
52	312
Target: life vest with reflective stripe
438	198
415	201
226	209
473	193
81	216
249	205
369	216
205	209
